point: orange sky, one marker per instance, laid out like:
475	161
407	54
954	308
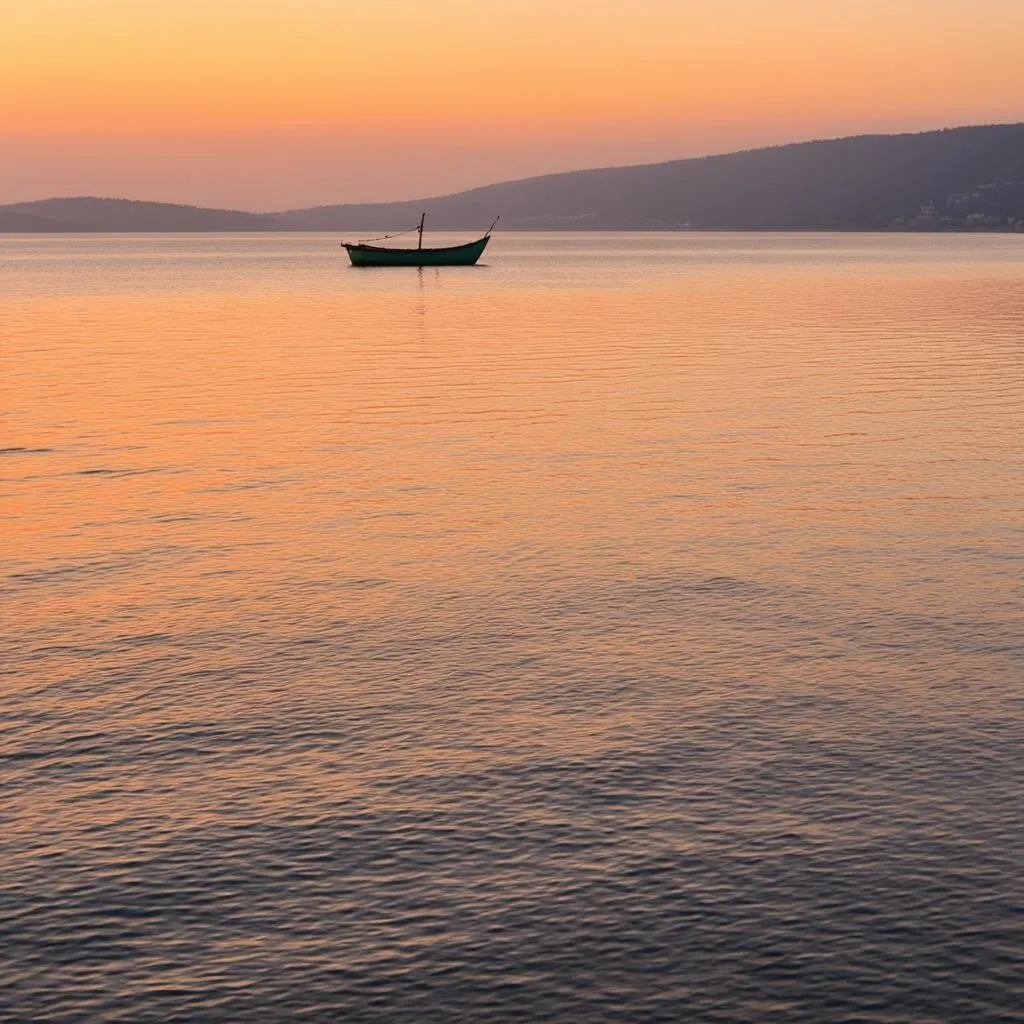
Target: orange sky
265	104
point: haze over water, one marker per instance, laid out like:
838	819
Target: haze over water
626	630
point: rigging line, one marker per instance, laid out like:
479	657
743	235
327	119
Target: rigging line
381	238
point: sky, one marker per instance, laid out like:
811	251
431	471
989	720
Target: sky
276	104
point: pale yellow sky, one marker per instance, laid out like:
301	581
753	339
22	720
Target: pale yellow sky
261	104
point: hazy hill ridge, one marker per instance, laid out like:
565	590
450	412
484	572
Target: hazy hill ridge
952	179
86	213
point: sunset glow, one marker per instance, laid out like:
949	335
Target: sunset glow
262	104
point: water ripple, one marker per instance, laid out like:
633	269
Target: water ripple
629	633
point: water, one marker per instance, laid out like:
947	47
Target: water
626	631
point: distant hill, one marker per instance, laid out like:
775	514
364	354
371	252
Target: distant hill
10	221
955	179
864	182
86	213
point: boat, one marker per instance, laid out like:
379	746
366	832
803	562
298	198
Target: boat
363	254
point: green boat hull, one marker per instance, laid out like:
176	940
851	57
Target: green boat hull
453	256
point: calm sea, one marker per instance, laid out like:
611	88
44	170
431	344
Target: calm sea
627	630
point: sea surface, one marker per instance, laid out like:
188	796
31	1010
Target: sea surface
630	629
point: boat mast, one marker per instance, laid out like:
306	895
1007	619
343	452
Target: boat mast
422	219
